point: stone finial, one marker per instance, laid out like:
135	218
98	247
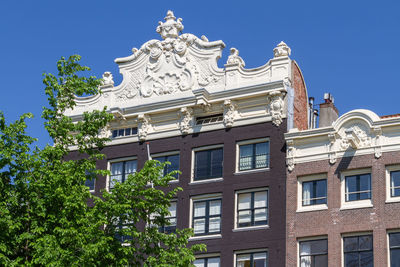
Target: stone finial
171	27
282	50
234	58
108	80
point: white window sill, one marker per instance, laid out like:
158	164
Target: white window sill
174	181
204	237
251	171
356	205
313	208
393	200
250	228
207	181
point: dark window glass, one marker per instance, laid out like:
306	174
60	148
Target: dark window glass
171	218
209	119
358	251
358	187
395	183
124	132
207	217
115	133
314	192
90	179
256	259
128	131
174	166
207	262
208	164
254	156
121	170
314	253
394	244
252	209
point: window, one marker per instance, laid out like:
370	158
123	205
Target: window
253	154
122	229
394	245
395	184
358	251
313	253
90	179
209	119
120	171
171	228
255	259
208	163
206	217
314	192
173	159
124	132
252	208
207	262
358	187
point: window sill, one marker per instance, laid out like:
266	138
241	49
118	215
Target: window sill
393	200
207	181
250	228
204	237
313	208
251	171
359	205
174	181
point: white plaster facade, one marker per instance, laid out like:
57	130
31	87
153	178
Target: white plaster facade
168	83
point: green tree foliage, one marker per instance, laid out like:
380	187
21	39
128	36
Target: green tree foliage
44	216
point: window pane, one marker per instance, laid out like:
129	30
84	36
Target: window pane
199	226
174	159
172	209
394	240
395	182
307	193
365	185
321	192
202	164
314	247
350	244
262	155
260	215
130	167
199	209
213	262
395	257
244	218
366	259
365	242
351	259
215	207
121	132
116	168
216	163
321	261
214	224
127	131
246	157
244	201
199	263
260	199
90	183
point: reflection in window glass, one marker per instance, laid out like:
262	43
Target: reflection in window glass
207	262
174	166
314	253
252	209
257	259
394	244
254	156
395	183
208	164
121	170
358	251
314	192
358	187
207	217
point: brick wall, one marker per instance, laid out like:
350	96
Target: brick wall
300	98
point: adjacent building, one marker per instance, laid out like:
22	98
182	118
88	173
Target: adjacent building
223	128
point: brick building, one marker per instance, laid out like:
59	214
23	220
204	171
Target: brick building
343	191
223	128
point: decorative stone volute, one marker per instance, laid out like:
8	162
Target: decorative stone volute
282	50
108	80
234	58
171	27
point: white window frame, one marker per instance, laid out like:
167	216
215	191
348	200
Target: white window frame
209	255
308	178
249	142
356	204
116	161
391	231
249	228
354	234
248	251
204	198
194	150
389	169
305	239
169	153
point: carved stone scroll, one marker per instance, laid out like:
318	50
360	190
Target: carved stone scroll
229	113
144	126
290	154
276	107
331	148
377	143
186	119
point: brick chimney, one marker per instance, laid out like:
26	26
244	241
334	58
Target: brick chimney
328	113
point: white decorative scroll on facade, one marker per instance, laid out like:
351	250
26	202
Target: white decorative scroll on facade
282	50
355	137
290	154
378	136
144	126
186	120
276	106
229	113
105	132
331	148
234	58
108	80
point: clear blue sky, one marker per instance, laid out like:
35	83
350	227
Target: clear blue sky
348	48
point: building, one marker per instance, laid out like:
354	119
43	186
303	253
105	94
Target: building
343	191
223	128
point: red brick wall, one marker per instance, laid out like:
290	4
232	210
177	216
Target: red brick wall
334	222
300	98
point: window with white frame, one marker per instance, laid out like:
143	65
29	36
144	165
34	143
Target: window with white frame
356	189
206	219
253	154
171	218
124	132
173	159
90	180
120	171
395	183
252	259
394	245
208	163
252	208
312	192
207	262
313	253
358	251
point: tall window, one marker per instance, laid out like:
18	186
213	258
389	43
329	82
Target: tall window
314	192
358	187
314	253
120	171
358	251
254	156
256	259
395	183
171	218
394	244
252	209
174	166
207	262
208	164
207	217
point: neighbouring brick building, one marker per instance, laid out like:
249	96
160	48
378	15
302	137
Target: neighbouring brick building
223	128
343	191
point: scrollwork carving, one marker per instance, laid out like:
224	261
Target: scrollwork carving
290	154
186	119
276	107
144	126
234	58
331	148
378	146
229	113
282	50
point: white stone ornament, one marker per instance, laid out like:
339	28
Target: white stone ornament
276	107
378	147
234	58
282	50
331	148
171	27
105	132
290	154
186	119
229	113
144	126
108	80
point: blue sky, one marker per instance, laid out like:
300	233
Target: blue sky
348	48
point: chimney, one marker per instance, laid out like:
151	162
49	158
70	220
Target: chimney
328	113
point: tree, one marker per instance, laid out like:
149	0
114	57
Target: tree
44	216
